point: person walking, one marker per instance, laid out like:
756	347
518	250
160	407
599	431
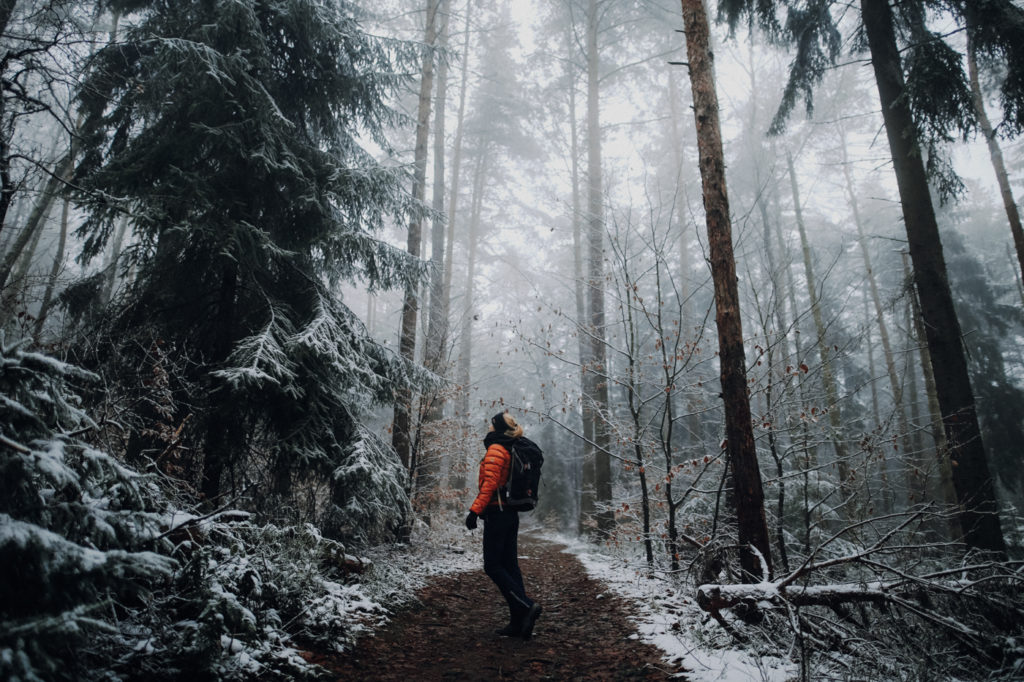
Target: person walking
501	525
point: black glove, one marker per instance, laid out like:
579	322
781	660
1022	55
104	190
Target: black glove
471	520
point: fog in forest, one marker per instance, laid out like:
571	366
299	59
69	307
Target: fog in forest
749	273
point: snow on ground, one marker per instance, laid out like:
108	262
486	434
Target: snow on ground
670	619
398	571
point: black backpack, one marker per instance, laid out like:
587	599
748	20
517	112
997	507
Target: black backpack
521	490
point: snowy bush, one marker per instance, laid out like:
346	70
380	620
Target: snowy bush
368	491
245	593
102	577
76	527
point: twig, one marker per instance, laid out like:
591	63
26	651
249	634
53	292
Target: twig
18	447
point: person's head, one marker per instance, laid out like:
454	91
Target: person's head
505	423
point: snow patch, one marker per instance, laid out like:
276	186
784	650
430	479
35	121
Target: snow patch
672	621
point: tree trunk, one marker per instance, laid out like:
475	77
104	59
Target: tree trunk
974	486
636	405
827	377
807	448
579	286
915	455
115	255
371	312
434	467
462	374
777	315
6	10
883	329
693	431
222	428
7	187
19	284
739	434
401	432
870	342
1016	276
457	469
35	219
437	332
946	488
598	369
453	201
51	282
996	154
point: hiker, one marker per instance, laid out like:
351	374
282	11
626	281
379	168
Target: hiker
501	525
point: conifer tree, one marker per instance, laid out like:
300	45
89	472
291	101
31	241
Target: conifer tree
76	526
926	101
230	133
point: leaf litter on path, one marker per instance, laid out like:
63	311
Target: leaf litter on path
449	632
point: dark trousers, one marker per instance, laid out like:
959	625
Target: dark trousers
501	561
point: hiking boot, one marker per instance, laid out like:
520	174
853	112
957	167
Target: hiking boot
510	630
529	620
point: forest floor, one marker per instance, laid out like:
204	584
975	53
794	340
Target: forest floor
448	632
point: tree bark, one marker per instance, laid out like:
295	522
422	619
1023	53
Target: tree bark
598	370
974	486
402	428
739	434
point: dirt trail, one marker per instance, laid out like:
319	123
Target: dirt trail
583	633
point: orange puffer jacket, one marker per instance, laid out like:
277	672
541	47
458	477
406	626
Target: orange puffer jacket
494	470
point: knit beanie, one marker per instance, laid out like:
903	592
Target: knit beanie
500	425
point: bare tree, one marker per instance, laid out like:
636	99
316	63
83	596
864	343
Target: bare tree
746	474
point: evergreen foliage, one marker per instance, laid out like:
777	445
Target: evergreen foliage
989	327
936	81
102	576
232	134
75	524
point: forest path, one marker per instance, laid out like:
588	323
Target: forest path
583	634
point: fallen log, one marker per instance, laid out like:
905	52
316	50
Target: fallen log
713	598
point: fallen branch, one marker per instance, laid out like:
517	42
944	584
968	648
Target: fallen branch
717	597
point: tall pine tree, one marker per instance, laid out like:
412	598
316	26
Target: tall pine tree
231	132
